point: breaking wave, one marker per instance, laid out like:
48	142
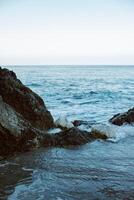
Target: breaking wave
113	132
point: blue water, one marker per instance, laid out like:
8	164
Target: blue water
81	91
98	170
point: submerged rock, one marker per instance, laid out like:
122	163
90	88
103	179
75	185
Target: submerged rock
24	117
123	118
77	123
86	124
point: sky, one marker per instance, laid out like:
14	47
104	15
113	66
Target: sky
83	32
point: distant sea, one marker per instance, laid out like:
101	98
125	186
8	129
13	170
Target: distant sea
97	170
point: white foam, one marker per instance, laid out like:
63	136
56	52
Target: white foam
63	122
7	163
54	130
4	164
113	132
27	169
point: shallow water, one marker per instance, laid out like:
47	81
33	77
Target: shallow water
98	170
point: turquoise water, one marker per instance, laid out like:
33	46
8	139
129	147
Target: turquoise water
98	170
86	92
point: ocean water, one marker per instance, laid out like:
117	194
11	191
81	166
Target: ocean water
97	170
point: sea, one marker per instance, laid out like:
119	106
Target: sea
99	170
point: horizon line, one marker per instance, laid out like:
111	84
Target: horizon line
2	65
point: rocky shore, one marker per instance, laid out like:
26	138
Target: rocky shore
24	118
123	118
25	121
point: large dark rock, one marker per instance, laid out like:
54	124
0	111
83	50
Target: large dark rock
24	120
24	117
16	133
24	100
123	118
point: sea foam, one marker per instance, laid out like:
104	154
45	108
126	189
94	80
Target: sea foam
113	132
63	122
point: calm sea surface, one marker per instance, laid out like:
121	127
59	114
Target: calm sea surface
98	170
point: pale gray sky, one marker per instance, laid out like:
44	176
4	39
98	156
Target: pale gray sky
66	32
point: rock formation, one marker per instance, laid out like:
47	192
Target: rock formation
24	117
123	118
72	136
25	120
24	100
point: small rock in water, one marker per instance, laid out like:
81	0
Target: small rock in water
84	125
87	124
123	118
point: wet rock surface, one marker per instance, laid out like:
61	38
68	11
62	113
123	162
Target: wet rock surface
24	117
72	136
78	123
123	118
25	120
24	100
